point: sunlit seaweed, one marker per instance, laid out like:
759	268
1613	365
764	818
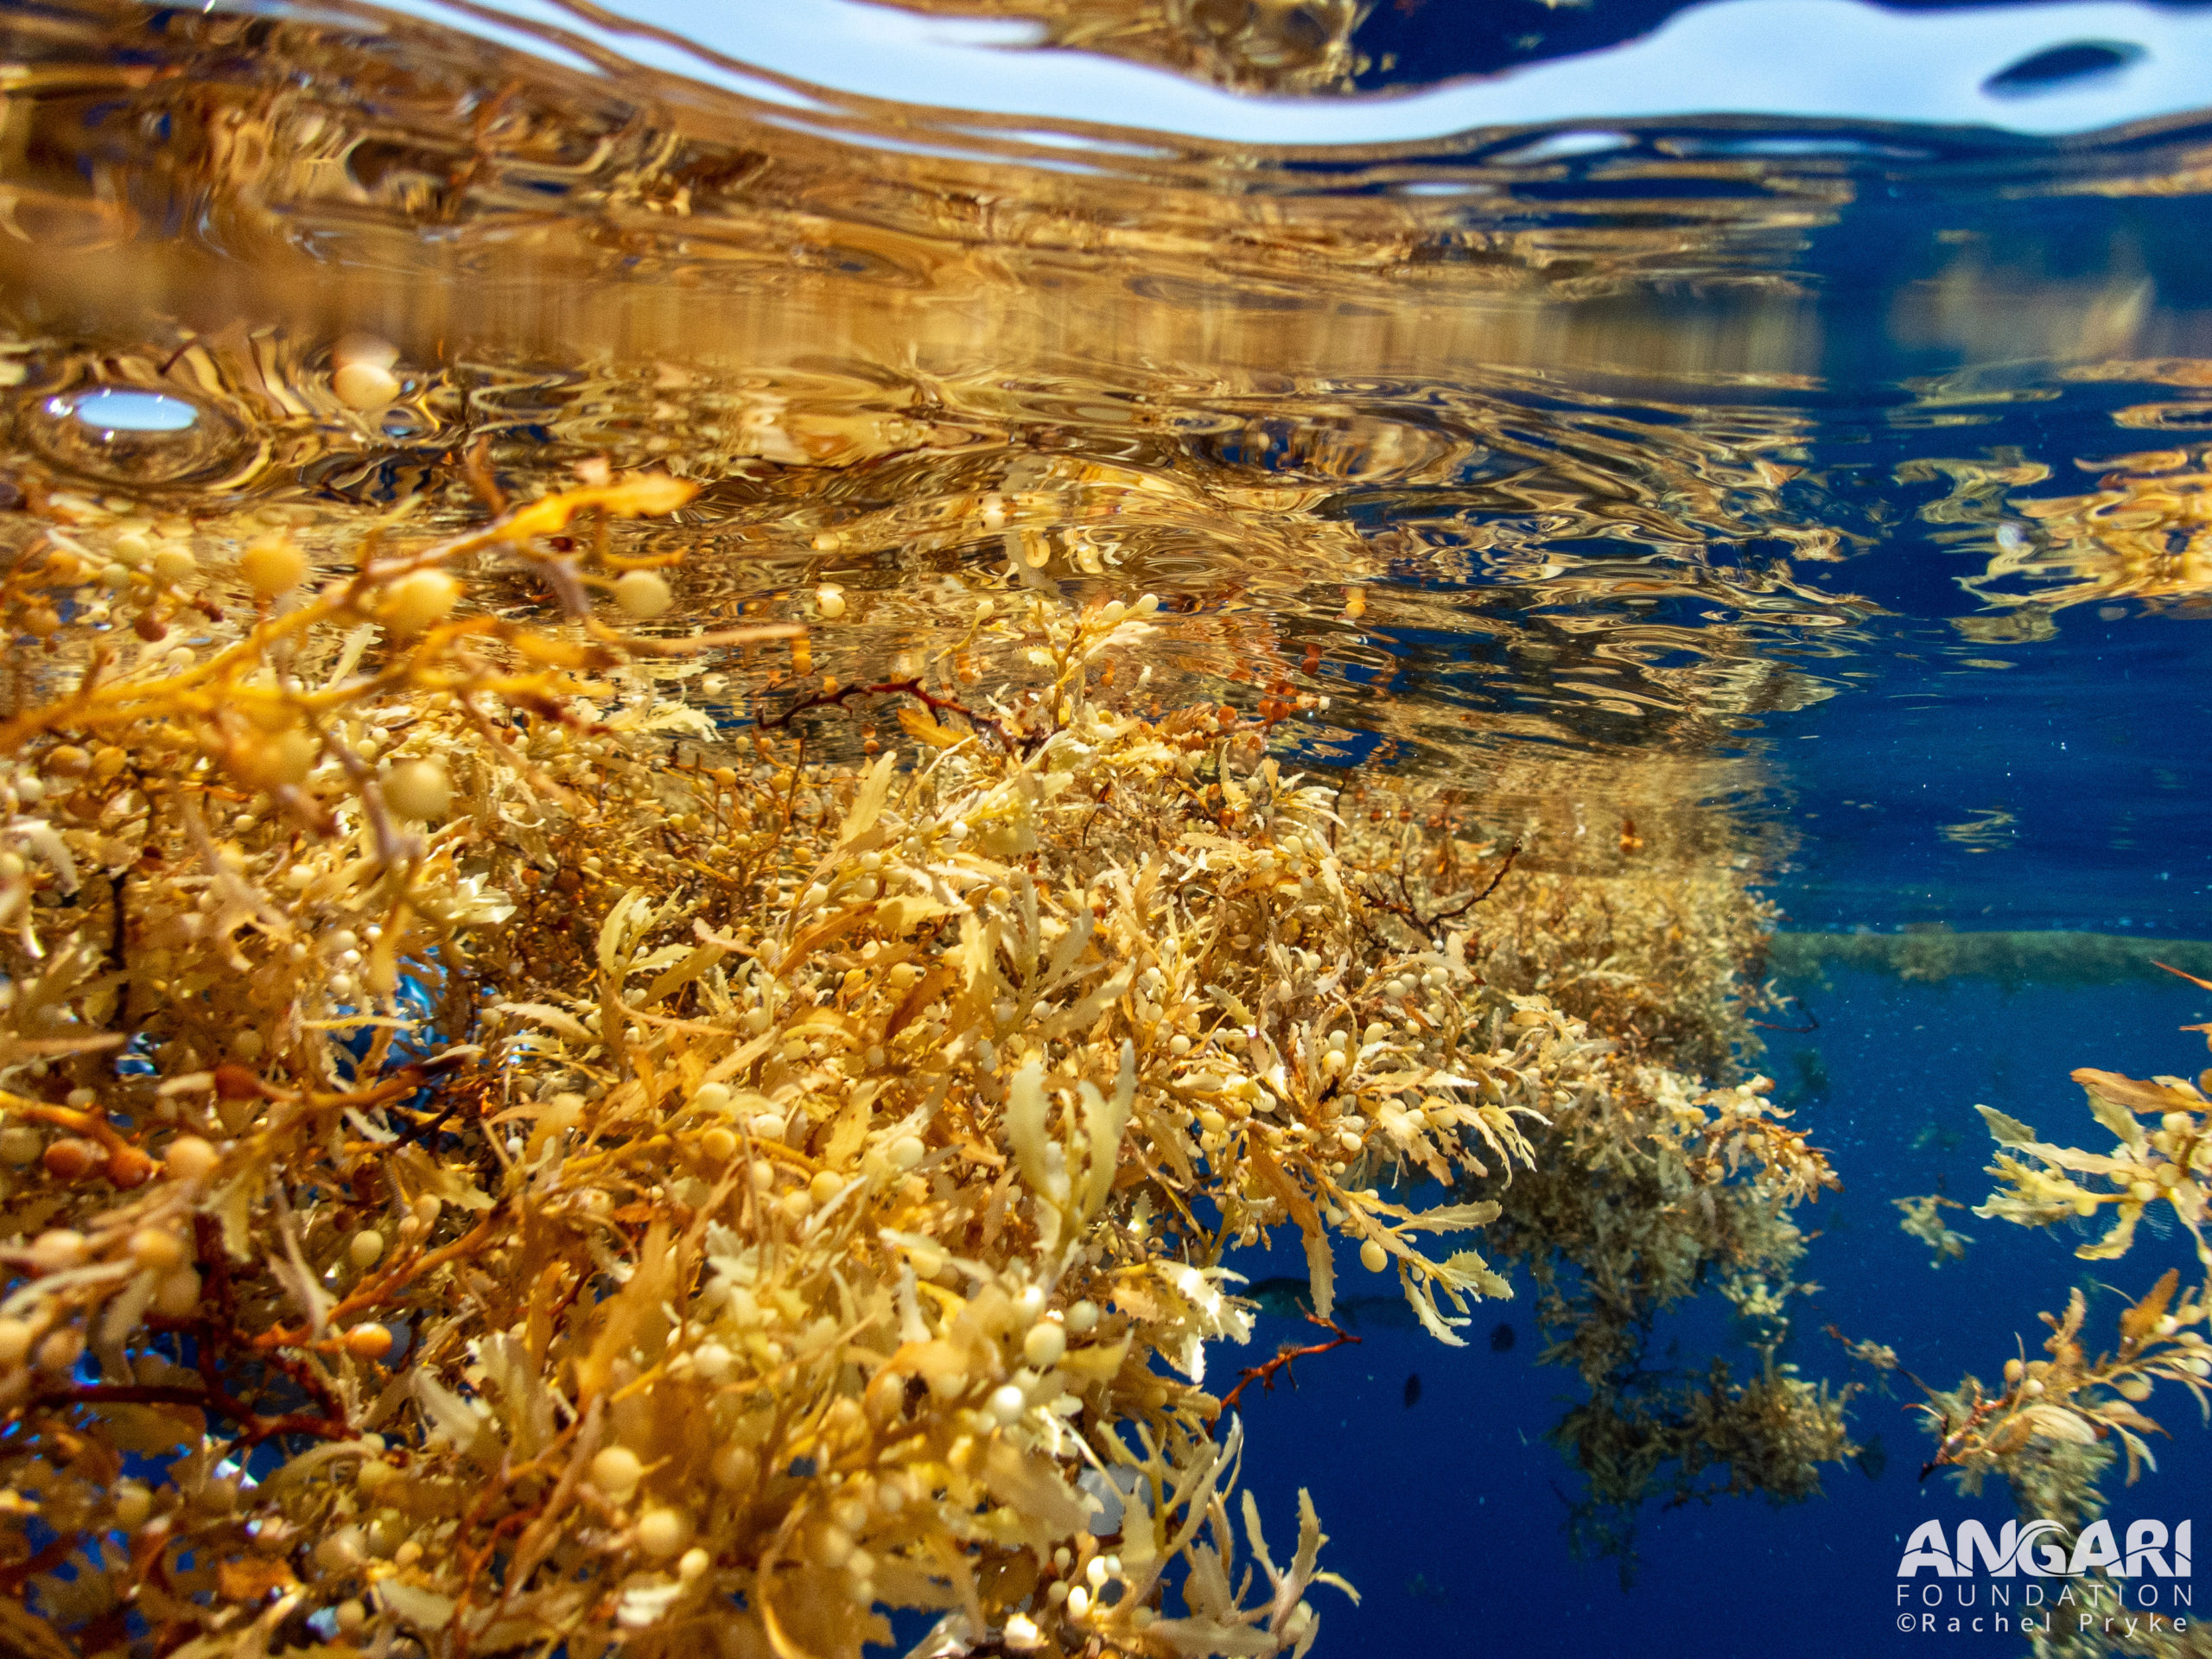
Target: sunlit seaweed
496	1160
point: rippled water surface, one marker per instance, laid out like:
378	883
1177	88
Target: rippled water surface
1829	490
1840	472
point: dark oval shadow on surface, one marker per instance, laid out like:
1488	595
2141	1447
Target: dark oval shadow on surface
2060	67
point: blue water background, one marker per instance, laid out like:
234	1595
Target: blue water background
1448	1514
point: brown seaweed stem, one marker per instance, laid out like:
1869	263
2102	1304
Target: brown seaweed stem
1264	1373
913	688
1405	909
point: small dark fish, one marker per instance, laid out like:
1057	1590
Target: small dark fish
1292	1299
1377	1313
1289	1298
1871	1458
1426	1588
1502	1338
1942	1137
1413	1389
1812	1075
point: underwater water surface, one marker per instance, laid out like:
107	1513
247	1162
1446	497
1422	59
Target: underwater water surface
1768	437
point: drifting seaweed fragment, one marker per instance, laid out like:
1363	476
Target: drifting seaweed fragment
1878	1357
2050	1429
1285	1361
1923	1219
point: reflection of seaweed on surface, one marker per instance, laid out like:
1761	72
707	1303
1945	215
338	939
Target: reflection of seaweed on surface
2144	534
1986	829
1277	46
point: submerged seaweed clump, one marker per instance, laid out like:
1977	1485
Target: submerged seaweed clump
1923	1219
1646	1191
496	1159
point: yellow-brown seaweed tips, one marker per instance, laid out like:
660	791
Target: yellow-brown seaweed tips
2050	1428
522	1184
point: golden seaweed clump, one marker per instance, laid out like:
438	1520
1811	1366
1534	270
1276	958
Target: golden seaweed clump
2050	1429
479	1179
1923	1219
1620	996
1646	1185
